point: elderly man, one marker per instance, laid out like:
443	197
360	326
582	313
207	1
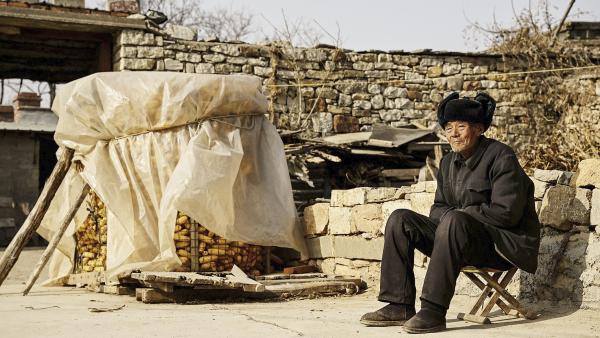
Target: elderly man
483	215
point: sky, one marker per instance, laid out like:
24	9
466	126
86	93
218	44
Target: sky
398	24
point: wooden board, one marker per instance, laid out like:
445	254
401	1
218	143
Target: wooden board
160	280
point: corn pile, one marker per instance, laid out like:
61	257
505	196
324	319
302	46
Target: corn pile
213	252
91	237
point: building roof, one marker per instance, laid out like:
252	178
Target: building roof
32	119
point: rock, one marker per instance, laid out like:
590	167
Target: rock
327	93
345	124
322	122
214	58
579	211
403	103
454	82
555	207
377	102
316	218
173	65
150	52
345	100
549	176
388	207
205	68
366	218
539	188
565	178
361	104
320	247
424	186
394	92
377	195
374	88
136	37
595	206
434	71
451	69
588	173
340	221
139	64
349	198
356	247
421	202
180	32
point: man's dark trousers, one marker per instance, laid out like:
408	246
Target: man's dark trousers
458	240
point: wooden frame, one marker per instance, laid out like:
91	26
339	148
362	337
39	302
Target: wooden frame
493	285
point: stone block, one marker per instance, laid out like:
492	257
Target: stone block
454	82
316	218
322	122
150	52
422	202
588	174
434	71
345	124
320	247
214	58
579	211
388	207
377	195
539	188
549	176
555	207
205	68
138	64
348	198
340	221
366	218
136	37
595	206
395	92
173	65
356	247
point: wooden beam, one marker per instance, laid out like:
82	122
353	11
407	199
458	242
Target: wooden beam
56	239
34	219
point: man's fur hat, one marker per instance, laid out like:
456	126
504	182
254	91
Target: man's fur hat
477	110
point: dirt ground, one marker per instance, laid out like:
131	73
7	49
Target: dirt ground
65	312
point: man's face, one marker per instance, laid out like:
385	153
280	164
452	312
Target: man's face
463	136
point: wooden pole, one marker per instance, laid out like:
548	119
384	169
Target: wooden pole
34	219
562	21
56	238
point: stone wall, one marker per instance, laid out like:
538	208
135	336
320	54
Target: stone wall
362	88
345	236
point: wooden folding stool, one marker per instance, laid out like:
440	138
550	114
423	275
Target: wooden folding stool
493	286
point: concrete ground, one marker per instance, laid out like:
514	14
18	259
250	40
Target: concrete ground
65	312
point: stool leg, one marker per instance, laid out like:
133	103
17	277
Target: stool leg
509	298
496	296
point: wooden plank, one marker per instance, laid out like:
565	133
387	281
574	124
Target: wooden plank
55	239
348	138
34	219
310	289
355	280
300	269
249	285
401	174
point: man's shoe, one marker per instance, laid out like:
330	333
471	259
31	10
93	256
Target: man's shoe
426	321
389	315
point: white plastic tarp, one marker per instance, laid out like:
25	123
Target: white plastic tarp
134	132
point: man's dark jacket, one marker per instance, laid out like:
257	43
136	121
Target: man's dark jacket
492	187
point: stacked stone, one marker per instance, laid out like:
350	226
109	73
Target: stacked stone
397	88
91	237
213	252
345	236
